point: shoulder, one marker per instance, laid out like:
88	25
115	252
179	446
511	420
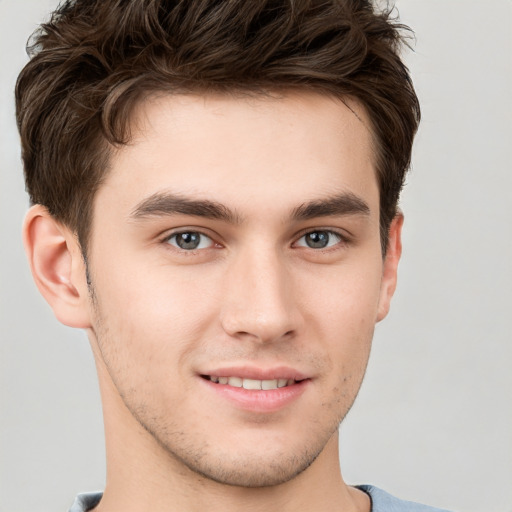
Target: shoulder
86	501
384	502
381	502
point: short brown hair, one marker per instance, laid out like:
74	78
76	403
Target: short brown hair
95	59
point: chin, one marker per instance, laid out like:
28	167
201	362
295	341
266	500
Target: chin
253	472
262	459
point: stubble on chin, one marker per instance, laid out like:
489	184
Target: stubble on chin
197	454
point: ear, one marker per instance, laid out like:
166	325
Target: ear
389	270
57	266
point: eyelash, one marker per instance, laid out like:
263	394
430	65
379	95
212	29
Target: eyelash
343	240
168	238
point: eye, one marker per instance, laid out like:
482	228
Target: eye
321	239
190	240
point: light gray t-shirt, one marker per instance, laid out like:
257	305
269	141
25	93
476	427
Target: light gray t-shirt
381	502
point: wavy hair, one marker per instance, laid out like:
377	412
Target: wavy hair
94	60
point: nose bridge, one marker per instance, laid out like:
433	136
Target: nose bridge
258	298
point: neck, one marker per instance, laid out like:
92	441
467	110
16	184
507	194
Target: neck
140	481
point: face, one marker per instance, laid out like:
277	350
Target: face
237	276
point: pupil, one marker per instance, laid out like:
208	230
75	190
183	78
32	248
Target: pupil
317	239
188	240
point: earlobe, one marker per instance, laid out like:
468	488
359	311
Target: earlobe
389	272
57	266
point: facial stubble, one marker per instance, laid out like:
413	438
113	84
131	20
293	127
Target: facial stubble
201	458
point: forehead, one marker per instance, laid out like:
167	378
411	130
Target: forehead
248	152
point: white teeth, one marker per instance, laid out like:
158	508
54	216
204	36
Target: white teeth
238	382
269	384
252	384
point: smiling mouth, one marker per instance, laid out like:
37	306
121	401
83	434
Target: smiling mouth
254	384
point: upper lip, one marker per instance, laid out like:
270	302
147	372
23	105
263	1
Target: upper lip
251	372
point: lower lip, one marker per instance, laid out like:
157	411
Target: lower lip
270	400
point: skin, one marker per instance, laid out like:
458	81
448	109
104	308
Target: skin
253	295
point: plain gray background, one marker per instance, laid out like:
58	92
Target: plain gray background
433	422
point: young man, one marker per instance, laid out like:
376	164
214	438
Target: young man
214	189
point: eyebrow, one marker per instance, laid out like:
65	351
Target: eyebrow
346	203
166	203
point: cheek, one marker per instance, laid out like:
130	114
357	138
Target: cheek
341	315
344	299
149	318
155	295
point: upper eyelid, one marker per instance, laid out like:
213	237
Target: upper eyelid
176	233
212	244
169	233
344	241
343	234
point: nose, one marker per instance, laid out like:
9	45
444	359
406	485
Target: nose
259	301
